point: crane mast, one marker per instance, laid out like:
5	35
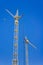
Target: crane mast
16	30
26	54
15	44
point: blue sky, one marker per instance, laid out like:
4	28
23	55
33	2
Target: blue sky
30	25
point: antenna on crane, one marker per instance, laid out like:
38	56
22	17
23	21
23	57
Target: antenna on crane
15	44
26	48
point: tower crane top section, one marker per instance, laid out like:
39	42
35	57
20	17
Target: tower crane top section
17	17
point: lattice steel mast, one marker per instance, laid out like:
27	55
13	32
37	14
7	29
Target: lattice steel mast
16	30
15	44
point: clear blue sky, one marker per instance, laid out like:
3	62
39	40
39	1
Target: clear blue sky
31	24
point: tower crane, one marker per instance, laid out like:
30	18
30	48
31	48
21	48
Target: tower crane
26	49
